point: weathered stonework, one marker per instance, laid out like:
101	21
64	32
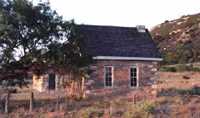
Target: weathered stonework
41	82
121	73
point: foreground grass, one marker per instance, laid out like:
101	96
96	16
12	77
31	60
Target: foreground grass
101	109
176	106
121	109
177	98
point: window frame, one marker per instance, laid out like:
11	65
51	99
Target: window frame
137	76
112	76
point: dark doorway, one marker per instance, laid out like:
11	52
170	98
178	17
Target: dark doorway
52	82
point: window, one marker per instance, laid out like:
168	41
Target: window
108	76
133	76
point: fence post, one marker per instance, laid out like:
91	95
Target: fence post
110	109
58	102
7	102
83	87
134	99
31	101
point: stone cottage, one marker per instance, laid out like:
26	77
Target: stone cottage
125	57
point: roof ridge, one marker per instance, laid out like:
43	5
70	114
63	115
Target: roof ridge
108	26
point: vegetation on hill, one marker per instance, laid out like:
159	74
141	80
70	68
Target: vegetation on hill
179	39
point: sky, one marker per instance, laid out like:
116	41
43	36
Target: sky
124	12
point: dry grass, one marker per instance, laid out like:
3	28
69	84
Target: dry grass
177	80
177	96
173	101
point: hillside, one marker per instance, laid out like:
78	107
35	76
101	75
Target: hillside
179	39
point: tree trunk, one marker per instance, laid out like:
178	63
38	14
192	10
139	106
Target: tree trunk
83	87
134	99
72	89
31	101
58	102
110	109
7	103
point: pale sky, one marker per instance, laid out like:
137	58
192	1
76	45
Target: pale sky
124	12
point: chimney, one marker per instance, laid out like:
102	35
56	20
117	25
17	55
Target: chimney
141	28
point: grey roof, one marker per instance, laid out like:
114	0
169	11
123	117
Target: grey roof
118	41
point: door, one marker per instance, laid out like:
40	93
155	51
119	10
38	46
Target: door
52	82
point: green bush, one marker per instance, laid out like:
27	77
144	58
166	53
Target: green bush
179	68
182	67
168	69
195	69
195	91
148	107
192	91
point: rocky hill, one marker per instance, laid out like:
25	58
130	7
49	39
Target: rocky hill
179	40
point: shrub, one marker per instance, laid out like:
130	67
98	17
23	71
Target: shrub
140	110
168	69
195	91
195	69
90	112
148	107
192	91
165	30
183	67
179	68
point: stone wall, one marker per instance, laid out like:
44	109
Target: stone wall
121	73
146	74
41	82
